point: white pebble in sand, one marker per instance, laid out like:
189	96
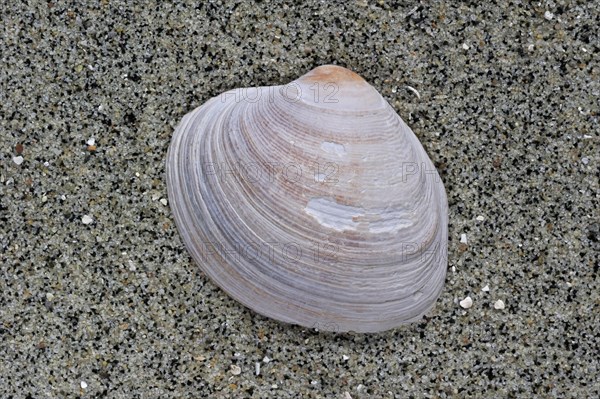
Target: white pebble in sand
466	303
235	369
486	288
499	304
463	238
87	219
18	160
548	15
83	385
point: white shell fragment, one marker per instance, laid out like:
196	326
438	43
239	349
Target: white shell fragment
466	303
312	203
499	304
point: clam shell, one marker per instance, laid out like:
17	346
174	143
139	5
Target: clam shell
311	203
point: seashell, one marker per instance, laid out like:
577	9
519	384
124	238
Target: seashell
311	203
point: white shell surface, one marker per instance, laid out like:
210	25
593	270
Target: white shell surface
312	203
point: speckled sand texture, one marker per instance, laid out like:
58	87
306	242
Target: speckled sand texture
98	296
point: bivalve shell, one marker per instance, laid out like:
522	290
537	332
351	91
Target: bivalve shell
311	203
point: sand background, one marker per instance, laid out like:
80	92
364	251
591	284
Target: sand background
508	110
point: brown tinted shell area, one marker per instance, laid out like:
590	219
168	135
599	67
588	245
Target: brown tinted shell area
333	74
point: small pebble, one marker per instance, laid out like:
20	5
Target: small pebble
49	296
266	360
83	385
87	219
91	141
18	160
585	160
480	218
465	46
486	288
257	368
466	303
347	395
463	238
548	15
235	369
499	304
19	149
163	201
344	357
